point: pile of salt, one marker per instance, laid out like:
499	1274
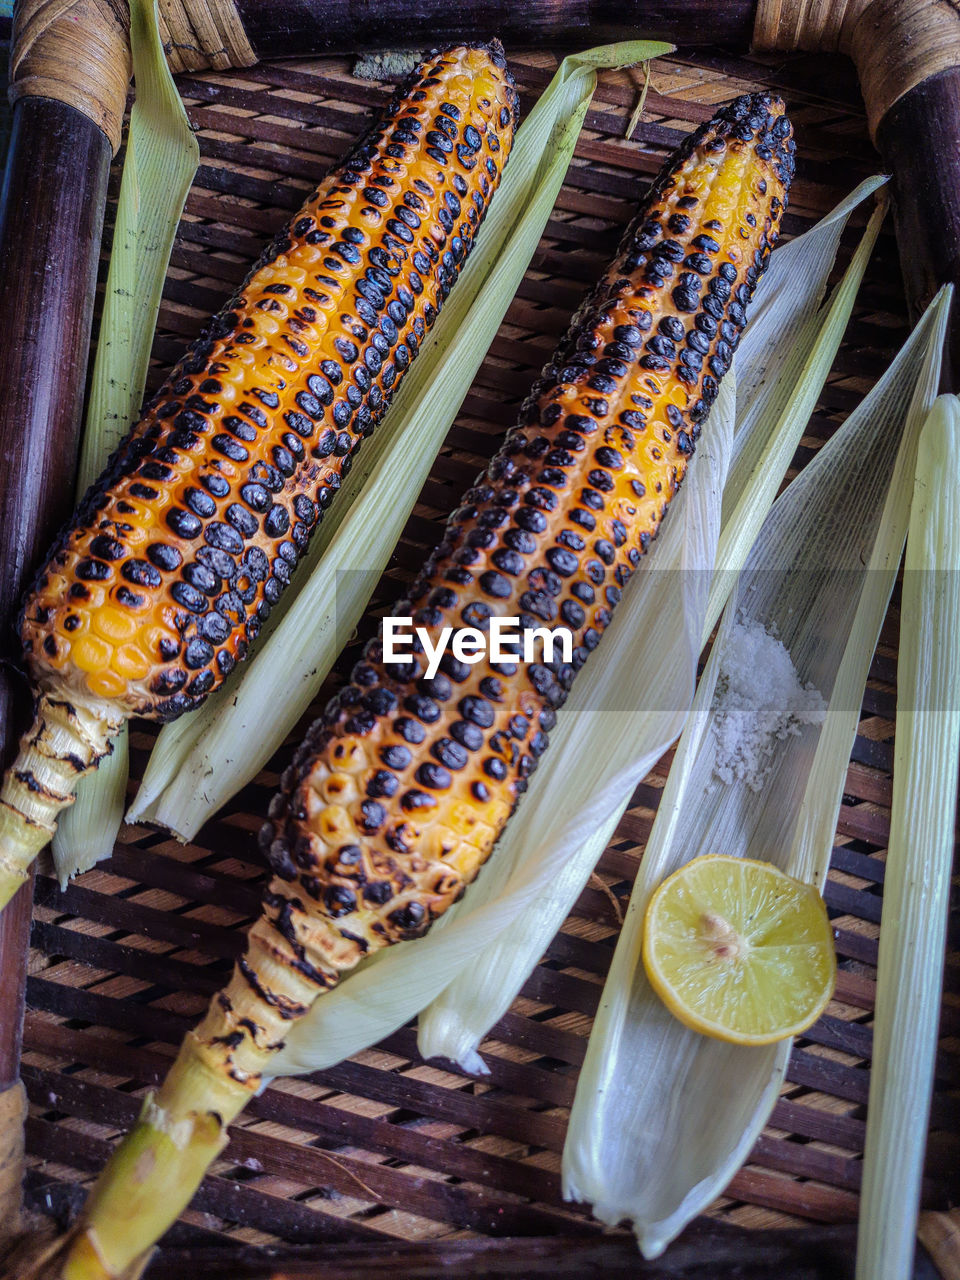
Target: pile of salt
759	700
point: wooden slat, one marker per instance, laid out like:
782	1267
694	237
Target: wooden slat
230	1201
461	1205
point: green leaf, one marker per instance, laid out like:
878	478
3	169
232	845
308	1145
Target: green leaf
916	888
161	158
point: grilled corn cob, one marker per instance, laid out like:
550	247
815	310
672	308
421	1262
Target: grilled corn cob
394	800
181	548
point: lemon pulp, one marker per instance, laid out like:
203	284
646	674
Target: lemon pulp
738	950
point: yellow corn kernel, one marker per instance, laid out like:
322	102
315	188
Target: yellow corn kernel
350	755
497	812
128	606
308	255
235	372
59	658
80	622
438	842
106	684
130	662
458	90
488	89
91	654
463	818
464	858
150	638
334	824
141	515
137	536
339	788
113	624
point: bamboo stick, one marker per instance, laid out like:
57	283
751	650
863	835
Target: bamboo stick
918	141
51	222
275	27
907	56
49	245
812	1252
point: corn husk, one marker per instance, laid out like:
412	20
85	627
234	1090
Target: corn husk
203	759
626	707
772	412
783	360
916	892
663	1117
161	158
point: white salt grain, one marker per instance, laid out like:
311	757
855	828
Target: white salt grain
759	701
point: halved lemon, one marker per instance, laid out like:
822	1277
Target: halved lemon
738	950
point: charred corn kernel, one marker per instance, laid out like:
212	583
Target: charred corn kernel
339	788
206	508
550	534
333	822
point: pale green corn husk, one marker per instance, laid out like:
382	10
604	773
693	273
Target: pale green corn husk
772	414
663	1117
203	759
161	159
601	747
783	360
916	892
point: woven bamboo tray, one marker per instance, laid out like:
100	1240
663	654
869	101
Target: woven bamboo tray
390	1163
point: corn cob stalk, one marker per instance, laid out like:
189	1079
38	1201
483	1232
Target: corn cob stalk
397	795
183	545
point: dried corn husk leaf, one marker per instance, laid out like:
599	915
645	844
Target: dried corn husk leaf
783	360
916	892
203	759
161	158
807	342
663	1117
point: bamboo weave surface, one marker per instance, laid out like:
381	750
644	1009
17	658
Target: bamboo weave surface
386	1148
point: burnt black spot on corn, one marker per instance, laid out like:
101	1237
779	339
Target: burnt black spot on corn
179	551
399	792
